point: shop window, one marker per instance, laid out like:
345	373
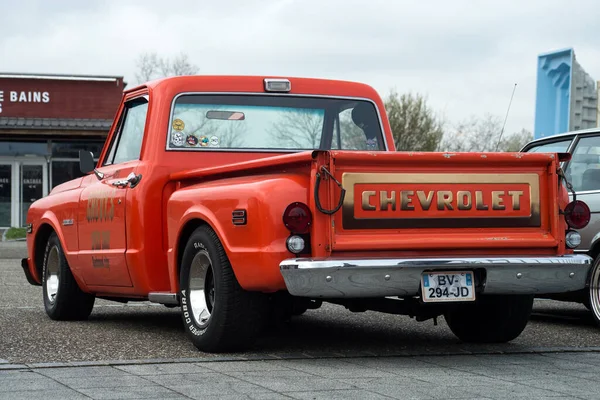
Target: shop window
5	194
63	171
71	149
24	148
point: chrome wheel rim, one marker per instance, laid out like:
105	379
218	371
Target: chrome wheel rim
52	271
595	292
202	288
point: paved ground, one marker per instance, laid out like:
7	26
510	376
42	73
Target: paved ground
327	353
13	249
146	331
531	376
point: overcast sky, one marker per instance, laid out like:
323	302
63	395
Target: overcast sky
465	56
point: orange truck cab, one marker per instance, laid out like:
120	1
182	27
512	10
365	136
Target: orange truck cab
246	199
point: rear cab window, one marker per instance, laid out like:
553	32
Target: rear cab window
273	123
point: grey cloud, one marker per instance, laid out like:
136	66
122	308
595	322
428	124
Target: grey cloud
464	55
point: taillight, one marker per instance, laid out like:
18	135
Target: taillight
577	214
297	218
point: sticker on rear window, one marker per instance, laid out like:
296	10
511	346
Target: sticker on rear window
204	141
177	139
191	140
178	125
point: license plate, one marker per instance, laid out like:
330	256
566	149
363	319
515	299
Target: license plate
447	286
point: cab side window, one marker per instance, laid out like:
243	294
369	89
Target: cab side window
584	168
127	142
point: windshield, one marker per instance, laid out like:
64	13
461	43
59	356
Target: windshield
553	147
201	122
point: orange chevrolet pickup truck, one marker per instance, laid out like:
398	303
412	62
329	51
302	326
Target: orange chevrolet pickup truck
247	199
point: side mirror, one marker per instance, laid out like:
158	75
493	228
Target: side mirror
87	163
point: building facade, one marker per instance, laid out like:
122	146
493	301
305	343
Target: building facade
566	95
44	121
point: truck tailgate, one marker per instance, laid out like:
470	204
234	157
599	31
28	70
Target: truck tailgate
437	201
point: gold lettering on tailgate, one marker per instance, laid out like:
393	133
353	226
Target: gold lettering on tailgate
516	198
444	199
479	204
497	200
385	200
405	201
425	201
464	200
469	200
365	200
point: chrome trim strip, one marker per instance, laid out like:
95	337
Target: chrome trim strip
335	278
163	298
585	192
167	142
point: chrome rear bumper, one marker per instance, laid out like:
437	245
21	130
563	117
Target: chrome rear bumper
373	277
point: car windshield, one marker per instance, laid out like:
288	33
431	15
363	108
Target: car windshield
553	147
208	122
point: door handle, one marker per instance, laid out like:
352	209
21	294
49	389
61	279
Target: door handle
132	180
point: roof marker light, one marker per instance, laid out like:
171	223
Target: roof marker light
277	85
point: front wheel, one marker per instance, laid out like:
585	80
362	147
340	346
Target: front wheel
593	300
217	313
491	319
63	299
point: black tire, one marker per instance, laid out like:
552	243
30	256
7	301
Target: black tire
592	300
235	316
63	299
491	319
298	310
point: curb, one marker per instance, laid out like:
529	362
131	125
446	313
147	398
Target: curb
4	365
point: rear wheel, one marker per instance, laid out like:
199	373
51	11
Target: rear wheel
491	319
593	300
63	299
217	313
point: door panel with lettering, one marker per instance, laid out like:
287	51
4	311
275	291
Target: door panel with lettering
102	206
101	219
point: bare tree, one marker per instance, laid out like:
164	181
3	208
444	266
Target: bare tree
483	134
351	135
474	134
152	66
299	129
232	135
516	141
147	67
414	125
181	65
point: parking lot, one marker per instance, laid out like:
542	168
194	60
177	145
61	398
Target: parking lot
118	331
139	350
